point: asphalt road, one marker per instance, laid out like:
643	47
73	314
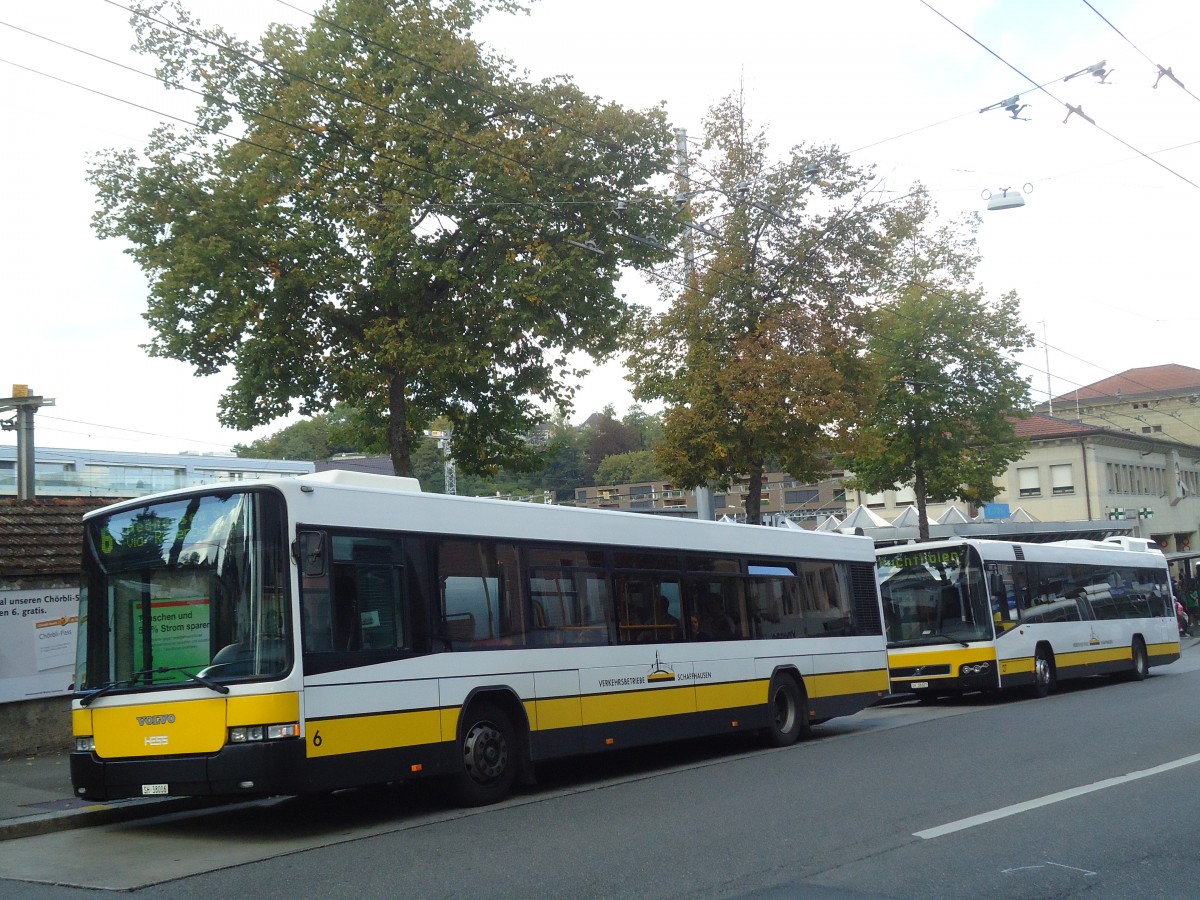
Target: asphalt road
1089	793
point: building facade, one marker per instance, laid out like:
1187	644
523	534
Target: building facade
806	504
112	473
1076	472
1161	401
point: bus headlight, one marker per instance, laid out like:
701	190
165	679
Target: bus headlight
975	668
248	733
85	744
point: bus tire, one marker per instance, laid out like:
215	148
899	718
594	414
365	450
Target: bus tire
488	756
1045	676
1141	661
787	713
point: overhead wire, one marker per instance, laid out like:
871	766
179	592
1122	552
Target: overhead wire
1070	109
497	96
1162	71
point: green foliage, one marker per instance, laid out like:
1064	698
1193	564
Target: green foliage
392	233
946	385
307	439
648	426
627	468
605	436
758	358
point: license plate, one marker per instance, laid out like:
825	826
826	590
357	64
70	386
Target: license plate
916	685
153	790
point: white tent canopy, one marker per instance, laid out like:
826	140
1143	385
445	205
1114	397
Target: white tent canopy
864	518
910	518
953	516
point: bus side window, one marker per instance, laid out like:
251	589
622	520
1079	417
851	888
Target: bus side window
481	594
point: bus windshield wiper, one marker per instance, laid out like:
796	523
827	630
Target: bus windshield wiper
106	688
199	679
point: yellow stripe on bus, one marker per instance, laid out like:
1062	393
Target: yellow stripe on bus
263	709
333	737
731	696
81	722
600	709
562	712
845	683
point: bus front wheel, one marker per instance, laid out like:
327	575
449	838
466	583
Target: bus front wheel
787	713
1044	674
488	756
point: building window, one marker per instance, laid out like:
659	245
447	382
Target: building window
1062	480
807	495
1027	482
874	501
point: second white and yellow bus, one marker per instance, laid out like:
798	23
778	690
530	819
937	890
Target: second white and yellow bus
982	615
334	630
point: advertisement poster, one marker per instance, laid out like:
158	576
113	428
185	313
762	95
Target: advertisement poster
37	642
178	630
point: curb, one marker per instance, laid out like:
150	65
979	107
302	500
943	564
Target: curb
101	814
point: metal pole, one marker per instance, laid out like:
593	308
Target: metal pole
704	497
25	406
25	454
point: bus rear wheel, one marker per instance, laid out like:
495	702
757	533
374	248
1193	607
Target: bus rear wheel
488	755
1141	661
786	711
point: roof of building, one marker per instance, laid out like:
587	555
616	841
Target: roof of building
1038	426
1148	380
43	536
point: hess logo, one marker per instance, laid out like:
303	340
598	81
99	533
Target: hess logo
168	719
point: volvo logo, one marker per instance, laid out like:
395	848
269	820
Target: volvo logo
168	719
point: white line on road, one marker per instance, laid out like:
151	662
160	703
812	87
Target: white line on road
1016	808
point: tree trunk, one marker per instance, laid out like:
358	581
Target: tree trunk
397	427
922	512
754	497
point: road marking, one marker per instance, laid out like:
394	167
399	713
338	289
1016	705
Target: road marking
1017	808
1048	863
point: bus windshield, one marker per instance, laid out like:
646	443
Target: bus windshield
185	591
934	596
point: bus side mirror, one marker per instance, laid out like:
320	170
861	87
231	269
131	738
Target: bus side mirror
312	553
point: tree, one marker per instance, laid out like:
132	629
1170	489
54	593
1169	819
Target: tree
402	224
757	357
647	425
307	439
947	387
627	468
604	435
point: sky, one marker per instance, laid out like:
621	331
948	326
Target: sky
1101	254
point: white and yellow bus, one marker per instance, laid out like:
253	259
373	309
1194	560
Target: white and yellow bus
980	615
334	630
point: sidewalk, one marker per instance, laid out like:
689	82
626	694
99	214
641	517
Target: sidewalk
36	796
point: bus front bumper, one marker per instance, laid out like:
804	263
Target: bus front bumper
252	769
